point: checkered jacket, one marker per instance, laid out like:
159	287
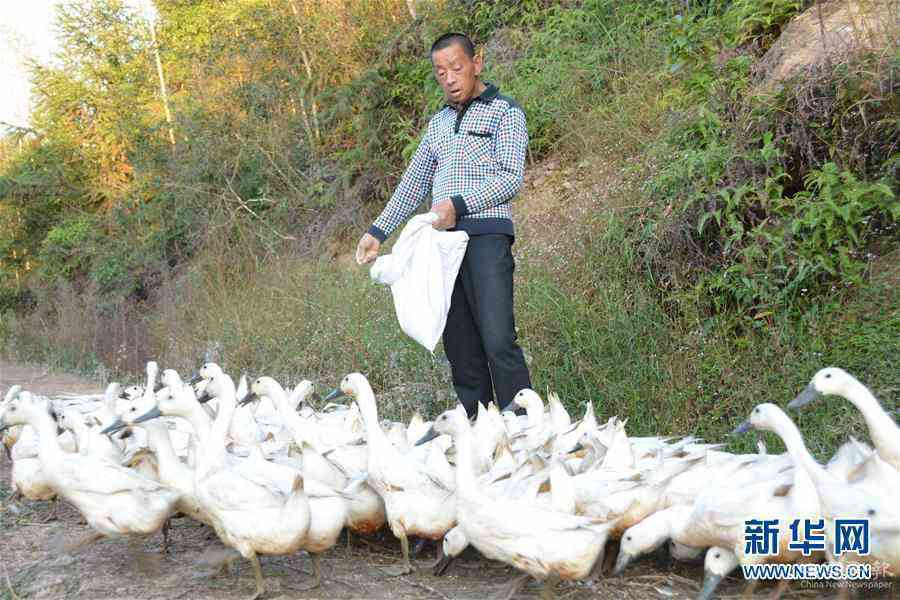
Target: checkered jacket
475	157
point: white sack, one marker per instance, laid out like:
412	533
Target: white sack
421	271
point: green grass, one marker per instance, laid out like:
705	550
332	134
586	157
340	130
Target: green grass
299	320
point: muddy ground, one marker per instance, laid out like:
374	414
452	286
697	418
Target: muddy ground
36	560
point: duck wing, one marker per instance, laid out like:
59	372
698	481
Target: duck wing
89	475
230	490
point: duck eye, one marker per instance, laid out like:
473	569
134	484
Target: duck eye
871	512
827	375
628	537
718	554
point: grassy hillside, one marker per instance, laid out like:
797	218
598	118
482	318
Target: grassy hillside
688	244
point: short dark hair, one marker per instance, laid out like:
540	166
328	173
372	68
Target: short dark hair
448	39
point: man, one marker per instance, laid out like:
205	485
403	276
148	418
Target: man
471	161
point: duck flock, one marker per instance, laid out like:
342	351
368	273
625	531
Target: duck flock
554	497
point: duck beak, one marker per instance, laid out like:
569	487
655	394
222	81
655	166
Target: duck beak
429	435
116	426
204	397
743	427
4	425
808	394
622	561
153	413
195	378
250	397
710	583
336	393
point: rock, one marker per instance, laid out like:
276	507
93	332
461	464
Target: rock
827	31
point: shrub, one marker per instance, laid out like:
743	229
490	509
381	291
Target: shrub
761	20
66	250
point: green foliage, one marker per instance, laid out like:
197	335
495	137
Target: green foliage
772	250
779	201
760	19
836	215
705	154
65	252
557	76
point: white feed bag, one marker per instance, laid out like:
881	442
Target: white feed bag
421	271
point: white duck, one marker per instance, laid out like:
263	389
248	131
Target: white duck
490	434
27	476
171	470
813	489
114	500
328	508
883	429
538	431
244	430
250	515
735	470
716	518
366	513
840	498
10	436
90	441
416	502
112	403
880	511
559	416
149	391
545	544
870	478
717	564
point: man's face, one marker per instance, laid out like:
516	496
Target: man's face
456	73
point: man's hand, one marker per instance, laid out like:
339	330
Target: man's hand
446	215
367	249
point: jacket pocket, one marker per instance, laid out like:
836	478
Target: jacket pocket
478	151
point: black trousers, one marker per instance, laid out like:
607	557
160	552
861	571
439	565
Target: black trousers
480	336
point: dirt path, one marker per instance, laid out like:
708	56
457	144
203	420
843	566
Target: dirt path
41	380
34	562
